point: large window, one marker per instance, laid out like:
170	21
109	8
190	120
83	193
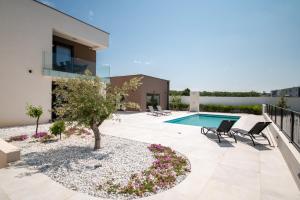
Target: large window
152	100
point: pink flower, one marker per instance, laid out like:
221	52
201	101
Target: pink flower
39	134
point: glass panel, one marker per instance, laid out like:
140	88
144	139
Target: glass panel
296	138
278	117
63	55
287	123
61	65
104	73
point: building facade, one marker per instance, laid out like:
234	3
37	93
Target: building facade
153	91
287	92
38	45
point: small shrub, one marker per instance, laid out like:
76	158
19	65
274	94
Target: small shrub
71	131
250	109
57	128
76	131
39	135
282	103
17	138
34	112
48	138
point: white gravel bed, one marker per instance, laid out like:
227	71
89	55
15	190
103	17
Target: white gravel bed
73	162
5	133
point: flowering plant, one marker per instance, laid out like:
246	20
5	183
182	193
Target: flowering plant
39	135
161	174
17	138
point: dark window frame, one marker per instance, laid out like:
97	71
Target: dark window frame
153	94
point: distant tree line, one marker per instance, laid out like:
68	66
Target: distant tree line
231	94
186	92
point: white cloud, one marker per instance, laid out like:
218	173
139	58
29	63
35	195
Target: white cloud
48	3
91	14
141	62
137	62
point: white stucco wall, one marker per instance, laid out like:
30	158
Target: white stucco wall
26	29
293	102
194	101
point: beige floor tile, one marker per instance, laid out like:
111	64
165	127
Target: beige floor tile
237	177
216	190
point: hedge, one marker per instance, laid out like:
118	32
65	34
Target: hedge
250	109
179	106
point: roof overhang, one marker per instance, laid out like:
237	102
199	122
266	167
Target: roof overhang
94	43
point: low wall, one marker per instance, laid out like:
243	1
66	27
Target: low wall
288	151
293	102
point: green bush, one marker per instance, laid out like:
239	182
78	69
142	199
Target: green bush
179	106
250	109
57	128
176	103
282	103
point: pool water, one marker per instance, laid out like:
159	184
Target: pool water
204	120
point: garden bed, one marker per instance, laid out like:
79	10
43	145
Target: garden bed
122	169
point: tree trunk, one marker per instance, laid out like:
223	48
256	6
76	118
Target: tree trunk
97	135
37	125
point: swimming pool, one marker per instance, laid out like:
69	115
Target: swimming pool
203	120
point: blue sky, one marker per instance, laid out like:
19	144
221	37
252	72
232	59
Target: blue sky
208	45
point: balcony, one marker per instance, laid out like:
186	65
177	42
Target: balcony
63	66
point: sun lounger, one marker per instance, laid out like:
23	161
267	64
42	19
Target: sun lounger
255	130
166	112
153	112
224	128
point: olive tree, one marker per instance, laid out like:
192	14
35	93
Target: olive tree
34	112
87	101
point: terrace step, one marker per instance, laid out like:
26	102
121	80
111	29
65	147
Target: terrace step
8	153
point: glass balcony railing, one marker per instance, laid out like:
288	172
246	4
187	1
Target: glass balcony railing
60	65
104	73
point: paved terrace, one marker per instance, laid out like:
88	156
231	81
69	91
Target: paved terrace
219	171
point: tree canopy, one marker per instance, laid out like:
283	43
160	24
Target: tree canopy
88	102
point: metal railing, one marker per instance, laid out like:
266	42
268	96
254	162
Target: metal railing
287	121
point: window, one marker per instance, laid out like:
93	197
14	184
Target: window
152	100
63	55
